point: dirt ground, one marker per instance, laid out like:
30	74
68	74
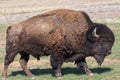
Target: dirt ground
12	11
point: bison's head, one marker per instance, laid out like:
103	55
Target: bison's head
101	39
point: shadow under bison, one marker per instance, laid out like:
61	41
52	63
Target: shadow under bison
67	70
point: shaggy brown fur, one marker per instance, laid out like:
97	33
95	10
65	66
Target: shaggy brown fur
64	34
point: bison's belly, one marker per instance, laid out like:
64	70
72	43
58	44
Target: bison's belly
36	50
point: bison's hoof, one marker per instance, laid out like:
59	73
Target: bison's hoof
59	77
33	78
91	74
58	74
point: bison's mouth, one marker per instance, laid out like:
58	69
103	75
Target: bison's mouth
99	59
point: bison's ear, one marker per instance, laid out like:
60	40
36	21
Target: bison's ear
92	34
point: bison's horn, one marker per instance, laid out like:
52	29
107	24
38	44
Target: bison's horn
94	34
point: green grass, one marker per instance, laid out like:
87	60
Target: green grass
116	50
3	28
114	24
110	70
106	72
111	22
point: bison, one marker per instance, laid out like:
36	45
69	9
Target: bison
65	35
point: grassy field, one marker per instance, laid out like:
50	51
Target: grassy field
103	11
110	70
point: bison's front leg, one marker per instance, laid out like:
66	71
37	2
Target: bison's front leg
56	64
83	65
23	61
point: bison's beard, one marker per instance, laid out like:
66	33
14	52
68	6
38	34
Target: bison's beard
99	59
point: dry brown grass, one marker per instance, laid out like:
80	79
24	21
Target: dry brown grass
21	9
23	6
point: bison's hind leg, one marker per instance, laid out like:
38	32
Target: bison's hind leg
23	61
9	57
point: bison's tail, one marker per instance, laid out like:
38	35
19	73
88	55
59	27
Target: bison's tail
7	39
10	40
8	29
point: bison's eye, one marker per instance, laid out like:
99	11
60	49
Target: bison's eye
103	40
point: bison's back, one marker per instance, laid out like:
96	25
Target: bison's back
68	22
